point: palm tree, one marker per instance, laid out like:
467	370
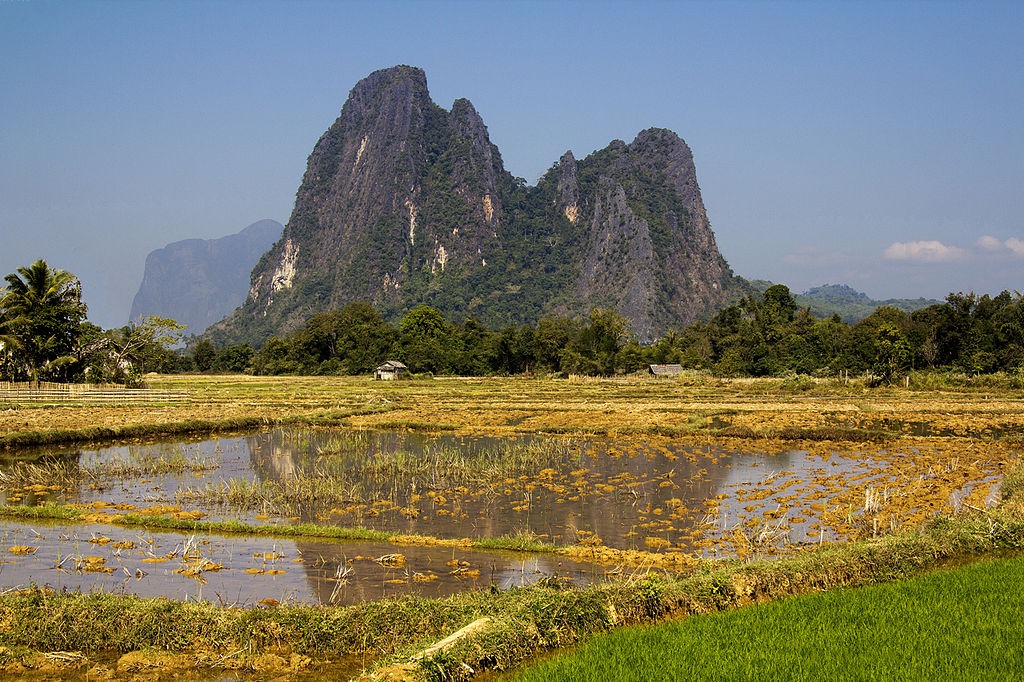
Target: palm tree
8	345
41	312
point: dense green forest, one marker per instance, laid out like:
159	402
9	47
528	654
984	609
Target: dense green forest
44	336
765	334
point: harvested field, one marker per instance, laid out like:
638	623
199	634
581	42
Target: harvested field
626	476
502	406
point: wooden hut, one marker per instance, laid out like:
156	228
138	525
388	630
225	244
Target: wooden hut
390	370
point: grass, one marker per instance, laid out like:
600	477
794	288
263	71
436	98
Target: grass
977	424
520	542
175	421
959	624
48	512
167	521
525	621
762	408
47	477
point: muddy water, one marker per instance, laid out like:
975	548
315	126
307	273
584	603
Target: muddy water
630	494
648	495
242	570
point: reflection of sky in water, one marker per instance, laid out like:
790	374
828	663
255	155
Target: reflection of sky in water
622	482
625	492
308	568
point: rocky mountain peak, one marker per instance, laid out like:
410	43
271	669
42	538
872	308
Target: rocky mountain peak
476	163
569	186
388	94
657	149
404	203
467	121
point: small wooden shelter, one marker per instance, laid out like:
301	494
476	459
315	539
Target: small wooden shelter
665	370
390	370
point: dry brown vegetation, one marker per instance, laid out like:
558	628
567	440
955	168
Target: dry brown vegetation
893	462
502	406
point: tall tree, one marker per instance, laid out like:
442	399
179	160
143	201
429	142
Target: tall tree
125	355
426	339
595	349
41	312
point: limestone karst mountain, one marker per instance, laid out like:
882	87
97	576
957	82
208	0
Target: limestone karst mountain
404	202
198	281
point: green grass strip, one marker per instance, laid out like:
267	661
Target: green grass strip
48	512
520	543
56	512
302	530
960	624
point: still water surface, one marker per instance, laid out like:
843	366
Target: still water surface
640	495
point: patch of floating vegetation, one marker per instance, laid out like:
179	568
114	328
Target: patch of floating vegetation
653	495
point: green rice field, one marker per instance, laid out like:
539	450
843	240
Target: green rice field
963	624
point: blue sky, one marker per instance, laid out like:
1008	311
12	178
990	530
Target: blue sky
877	144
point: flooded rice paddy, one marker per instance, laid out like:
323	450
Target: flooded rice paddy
249	571
668	498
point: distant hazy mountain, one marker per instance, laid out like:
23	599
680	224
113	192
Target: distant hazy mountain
199	281
851	305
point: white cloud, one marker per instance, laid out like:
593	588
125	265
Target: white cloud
989	243
992	244
930	251
1015	245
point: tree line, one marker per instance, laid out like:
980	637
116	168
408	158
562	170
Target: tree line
761	335
44	335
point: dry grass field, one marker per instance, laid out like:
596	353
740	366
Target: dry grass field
503	406
907	478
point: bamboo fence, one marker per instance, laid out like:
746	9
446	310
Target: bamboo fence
89	394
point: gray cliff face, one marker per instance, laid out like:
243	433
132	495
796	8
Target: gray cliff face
196	282
619	260
398	189
404	203
358	196
476	170
649	250
569	186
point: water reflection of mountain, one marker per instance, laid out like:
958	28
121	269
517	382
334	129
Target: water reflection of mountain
283	453
622	492
628	493
613	489
273	454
